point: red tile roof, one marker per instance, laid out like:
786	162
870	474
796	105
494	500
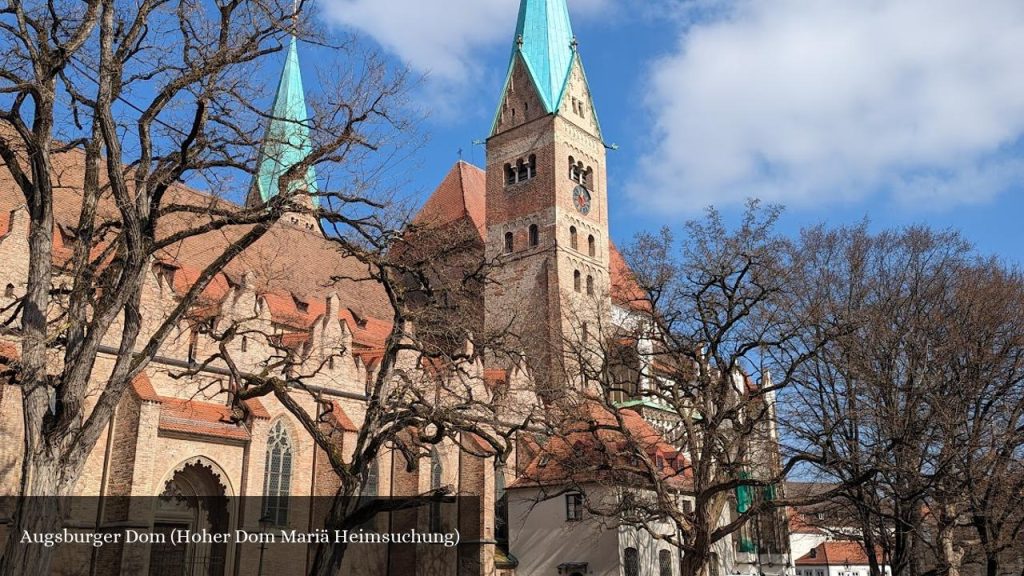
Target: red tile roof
366	331
199	418
625	291
288	259
143	388
837	553
9	350
798	523
594	448
462	194
494	377
339	418
5	224
480	446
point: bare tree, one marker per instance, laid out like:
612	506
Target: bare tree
143	97
912	395
713	335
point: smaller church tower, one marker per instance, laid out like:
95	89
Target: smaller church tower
547	208
287	143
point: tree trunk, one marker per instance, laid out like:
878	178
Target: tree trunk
694	565
328	559
41	512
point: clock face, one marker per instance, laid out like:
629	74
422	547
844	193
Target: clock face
581	198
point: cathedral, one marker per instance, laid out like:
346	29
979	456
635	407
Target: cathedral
539	207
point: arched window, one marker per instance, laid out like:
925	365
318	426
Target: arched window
591	246
532	166
523	171
277	475
245	343
500	509
573	240
586	332
510	175
9	291
509	242
664	563
588	178
534	236
372	485
436	474
590	285
576	171
576	280
631	560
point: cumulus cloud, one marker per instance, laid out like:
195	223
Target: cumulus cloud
814	101
441	39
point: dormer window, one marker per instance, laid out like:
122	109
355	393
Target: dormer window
300	305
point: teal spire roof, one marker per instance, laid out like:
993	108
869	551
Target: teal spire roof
286	142
545	40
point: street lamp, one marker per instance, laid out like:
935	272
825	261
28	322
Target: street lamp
265	523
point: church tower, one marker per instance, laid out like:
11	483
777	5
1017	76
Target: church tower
286	143
547	200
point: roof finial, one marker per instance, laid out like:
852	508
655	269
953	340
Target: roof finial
574	44
519	41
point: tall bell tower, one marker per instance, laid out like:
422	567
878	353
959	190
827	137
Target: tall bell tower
547	200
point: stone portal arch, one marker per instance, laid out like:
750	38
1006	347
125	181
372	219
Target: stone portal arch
194	496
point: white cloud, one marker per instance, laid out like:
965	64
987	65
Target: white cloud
439	38
811	101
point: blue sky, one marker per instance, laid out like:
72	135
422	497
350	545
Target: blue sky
902	112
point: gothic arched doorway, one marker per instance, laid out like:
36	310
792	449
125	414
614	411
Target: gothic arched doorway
193	499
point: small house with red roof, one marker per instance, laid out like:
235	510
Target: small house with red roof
838	558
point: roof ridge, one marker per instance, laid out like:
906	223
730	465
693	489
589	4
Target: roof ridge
462	187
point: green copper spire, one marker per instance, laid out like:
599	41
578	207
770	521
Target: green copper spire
545	40
287	139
